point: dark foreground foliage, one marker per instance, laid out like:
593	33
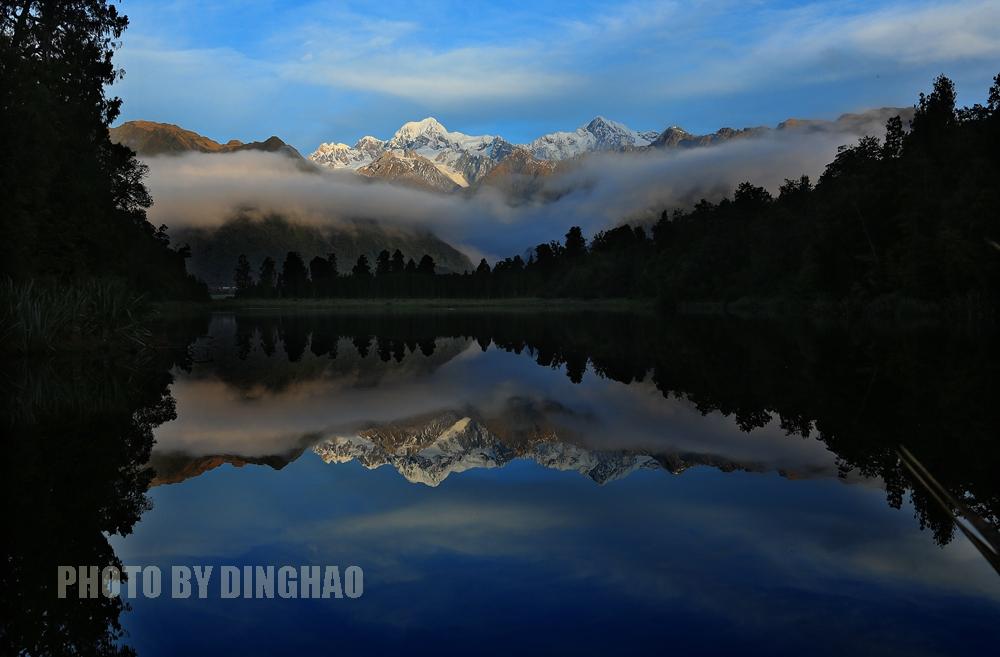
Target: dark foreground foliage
77	432
93	314
73	204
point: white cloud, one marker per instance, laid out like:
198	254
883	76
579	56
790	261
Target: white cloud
821	42
928	35
442	78
600	191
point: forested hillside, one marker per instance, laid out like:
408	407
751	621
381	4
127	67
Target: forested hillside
913	218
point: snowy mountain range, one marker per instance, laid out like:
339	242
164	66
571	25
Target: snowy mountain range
428	449
600	134
459	157
466	160
427	155
467	444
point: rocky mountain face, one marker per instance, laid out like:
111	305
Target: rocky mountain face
675	137
520	175
148	138
870	122
413	170
174	468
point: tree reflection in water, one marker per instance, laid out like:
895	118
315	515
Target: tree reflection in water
78	434
863	391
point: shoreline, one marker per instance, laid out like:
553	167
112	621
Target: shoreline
525	304
885	311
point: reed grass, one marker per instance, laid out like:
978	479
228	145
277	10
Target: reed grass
47	317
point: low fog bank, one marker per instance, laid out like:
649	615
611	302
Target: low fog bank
602	190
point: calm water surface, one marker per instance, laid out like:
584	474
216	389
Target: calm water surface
546	484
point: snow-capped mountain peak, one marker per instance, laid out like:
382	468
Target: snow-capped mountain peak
332	147
339	155
431	139
615	134
601	124
369	143
460	157
600	134
414	129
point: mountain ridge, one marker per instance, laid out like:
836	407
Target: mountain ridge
428	449
469	160
428	156
150	138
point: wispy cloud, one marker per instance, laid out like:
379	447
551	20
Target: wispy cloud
442	78
804	45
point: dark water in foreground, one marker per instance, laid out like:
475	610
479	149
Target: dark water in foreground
551	484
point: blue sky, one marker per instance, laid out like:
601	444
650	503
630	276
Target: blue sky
314	71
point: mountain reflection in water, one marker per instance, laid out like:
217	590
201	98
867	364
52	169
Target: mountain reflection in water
485	412
431	407
427	395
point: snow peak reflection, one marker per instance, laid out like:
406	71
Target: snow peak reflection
200	581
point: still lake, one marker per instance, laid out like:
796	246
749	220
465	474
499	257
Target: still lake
544	483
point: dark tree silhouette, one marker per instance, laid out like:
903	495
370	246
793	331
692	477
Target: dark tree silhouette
243	278
361	269
322	275
398	266
294	279
383	264
73	203
545	258
894	136
576	246
935	112
426	265
266	278
77	476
